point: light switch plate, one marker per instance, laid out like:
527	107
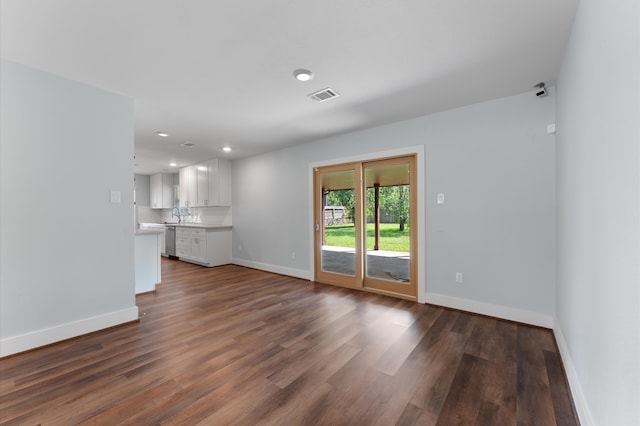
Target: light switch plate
116	197
440	199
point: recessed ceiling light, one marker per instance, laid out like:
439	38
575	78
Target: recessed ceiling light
188	145
302	74
172	164
227	149
162	134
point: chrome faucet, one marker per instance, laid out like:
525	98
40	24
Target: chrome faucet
179	212
177	209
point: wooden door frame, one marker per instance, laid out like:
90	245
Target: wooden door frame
422	192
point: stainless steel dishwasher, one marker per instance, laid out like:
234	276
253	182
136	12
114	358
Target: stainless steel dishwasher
170	240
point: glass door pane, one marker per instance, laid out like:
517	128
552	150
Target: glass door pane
389	236
337	230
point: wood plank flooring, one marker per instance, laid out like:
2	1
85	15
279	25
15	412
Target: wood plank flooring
236	346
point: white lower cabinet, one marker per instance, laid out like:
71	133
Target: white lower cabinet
148	271
183	246
163	235
199	246
208	247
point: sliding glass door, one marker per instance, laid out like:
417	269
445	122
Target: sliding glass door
365	235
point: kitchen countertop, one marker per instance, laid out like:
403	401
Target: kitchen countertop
201	226
185	225
149	231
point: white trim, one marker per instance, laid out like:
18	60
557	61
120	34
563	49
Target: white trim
418	151
297	273
498	311
580	402
35	339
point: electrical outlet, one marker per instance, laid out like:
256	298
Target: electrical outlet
293	255
459	277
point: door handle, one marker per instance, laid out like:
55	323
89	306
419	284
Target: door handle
317	227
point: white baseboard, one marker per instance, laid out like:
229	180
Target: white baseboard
35	339
584	414
498	311
298	273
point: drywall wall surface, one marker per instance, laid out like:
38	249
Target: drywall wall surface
598	212
494	162
64	147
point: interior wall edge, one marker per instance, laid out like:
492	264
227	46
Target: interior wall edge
537	319
579	400
498	311
35	339
282	270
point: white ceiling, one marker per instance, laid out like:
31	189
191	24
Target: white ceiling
218	73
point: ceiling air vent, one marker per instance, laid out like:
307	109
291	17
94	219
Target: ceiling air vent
324	95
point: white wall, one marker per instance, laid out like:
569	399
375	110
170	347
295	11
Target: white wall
598	212
495	163
64	146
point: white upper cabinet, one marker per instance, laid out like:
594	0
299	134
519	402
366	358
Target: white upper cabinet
219	182
212	182
168	198
206	184
202	185
155	191
188	187
161	193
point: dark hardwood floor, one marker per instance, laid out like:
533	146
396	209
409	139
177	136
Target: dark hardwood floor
231	345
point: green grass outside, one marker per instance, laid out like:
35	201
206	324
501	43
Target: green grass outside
391	238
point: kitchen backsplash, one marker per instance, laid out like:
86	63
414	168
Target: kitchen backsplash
207	215
149	215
